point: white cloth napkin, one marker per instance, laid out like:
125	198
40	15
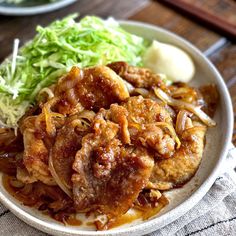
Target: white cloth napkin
214	215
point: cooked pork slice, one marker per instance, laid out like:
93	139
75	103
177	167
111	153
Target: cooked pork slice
118	114
144	122
109	175
149	125
67	143
90	88
145	111
24	176
182	166
35	157
138	77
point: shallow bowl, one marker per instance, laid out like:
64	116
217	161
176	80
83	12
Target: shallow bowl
182	199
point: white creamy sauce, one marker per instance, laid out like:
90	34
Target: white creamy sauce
170	60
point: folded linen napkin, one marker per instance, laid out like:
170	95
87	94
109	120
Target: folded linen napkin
214	215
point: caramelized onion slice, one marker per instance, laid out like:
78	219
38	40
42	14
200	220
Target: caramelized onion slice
181	121
171	130
83	122
146	94
142	91
48	91
129	86
184	105
86	114
57	178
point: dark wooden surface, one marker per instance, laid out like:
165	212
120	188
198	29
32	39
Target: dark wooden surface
217	14
225	9
220	50
161	15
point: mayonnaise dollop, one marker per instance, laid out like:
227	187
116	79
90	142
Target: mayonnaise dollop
169	60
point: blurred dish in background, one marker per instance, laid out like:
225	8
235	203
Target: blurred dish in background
31	7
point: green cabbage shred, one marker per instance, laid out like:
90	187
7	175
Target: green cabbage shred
53	51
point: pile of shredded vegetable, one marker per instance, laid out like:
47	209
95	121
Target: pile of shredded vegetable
53	51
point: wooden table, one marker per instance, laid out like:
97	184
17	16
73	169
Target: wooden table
219	49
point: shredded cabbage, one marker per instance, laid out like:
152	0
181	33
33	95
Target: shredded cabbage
53	51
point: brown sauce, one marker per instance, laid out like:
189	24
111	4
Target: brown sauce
6	179
143	214
90	223
125	219
162	202
73	221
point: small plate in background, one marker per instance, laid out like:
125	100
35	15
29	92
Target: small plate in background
32	7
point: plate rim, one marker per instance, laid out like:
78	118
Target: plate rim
167	218
24	11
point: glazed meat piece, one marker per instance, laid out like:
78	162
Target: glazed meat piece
67	143
144	122
182	166
62	156
118	114
109	175
148	125
35	157
137	76
155	137
145	111
90	88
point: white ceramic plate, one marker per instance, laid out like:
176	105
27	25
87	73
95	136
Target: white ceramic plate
14	10
181	200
